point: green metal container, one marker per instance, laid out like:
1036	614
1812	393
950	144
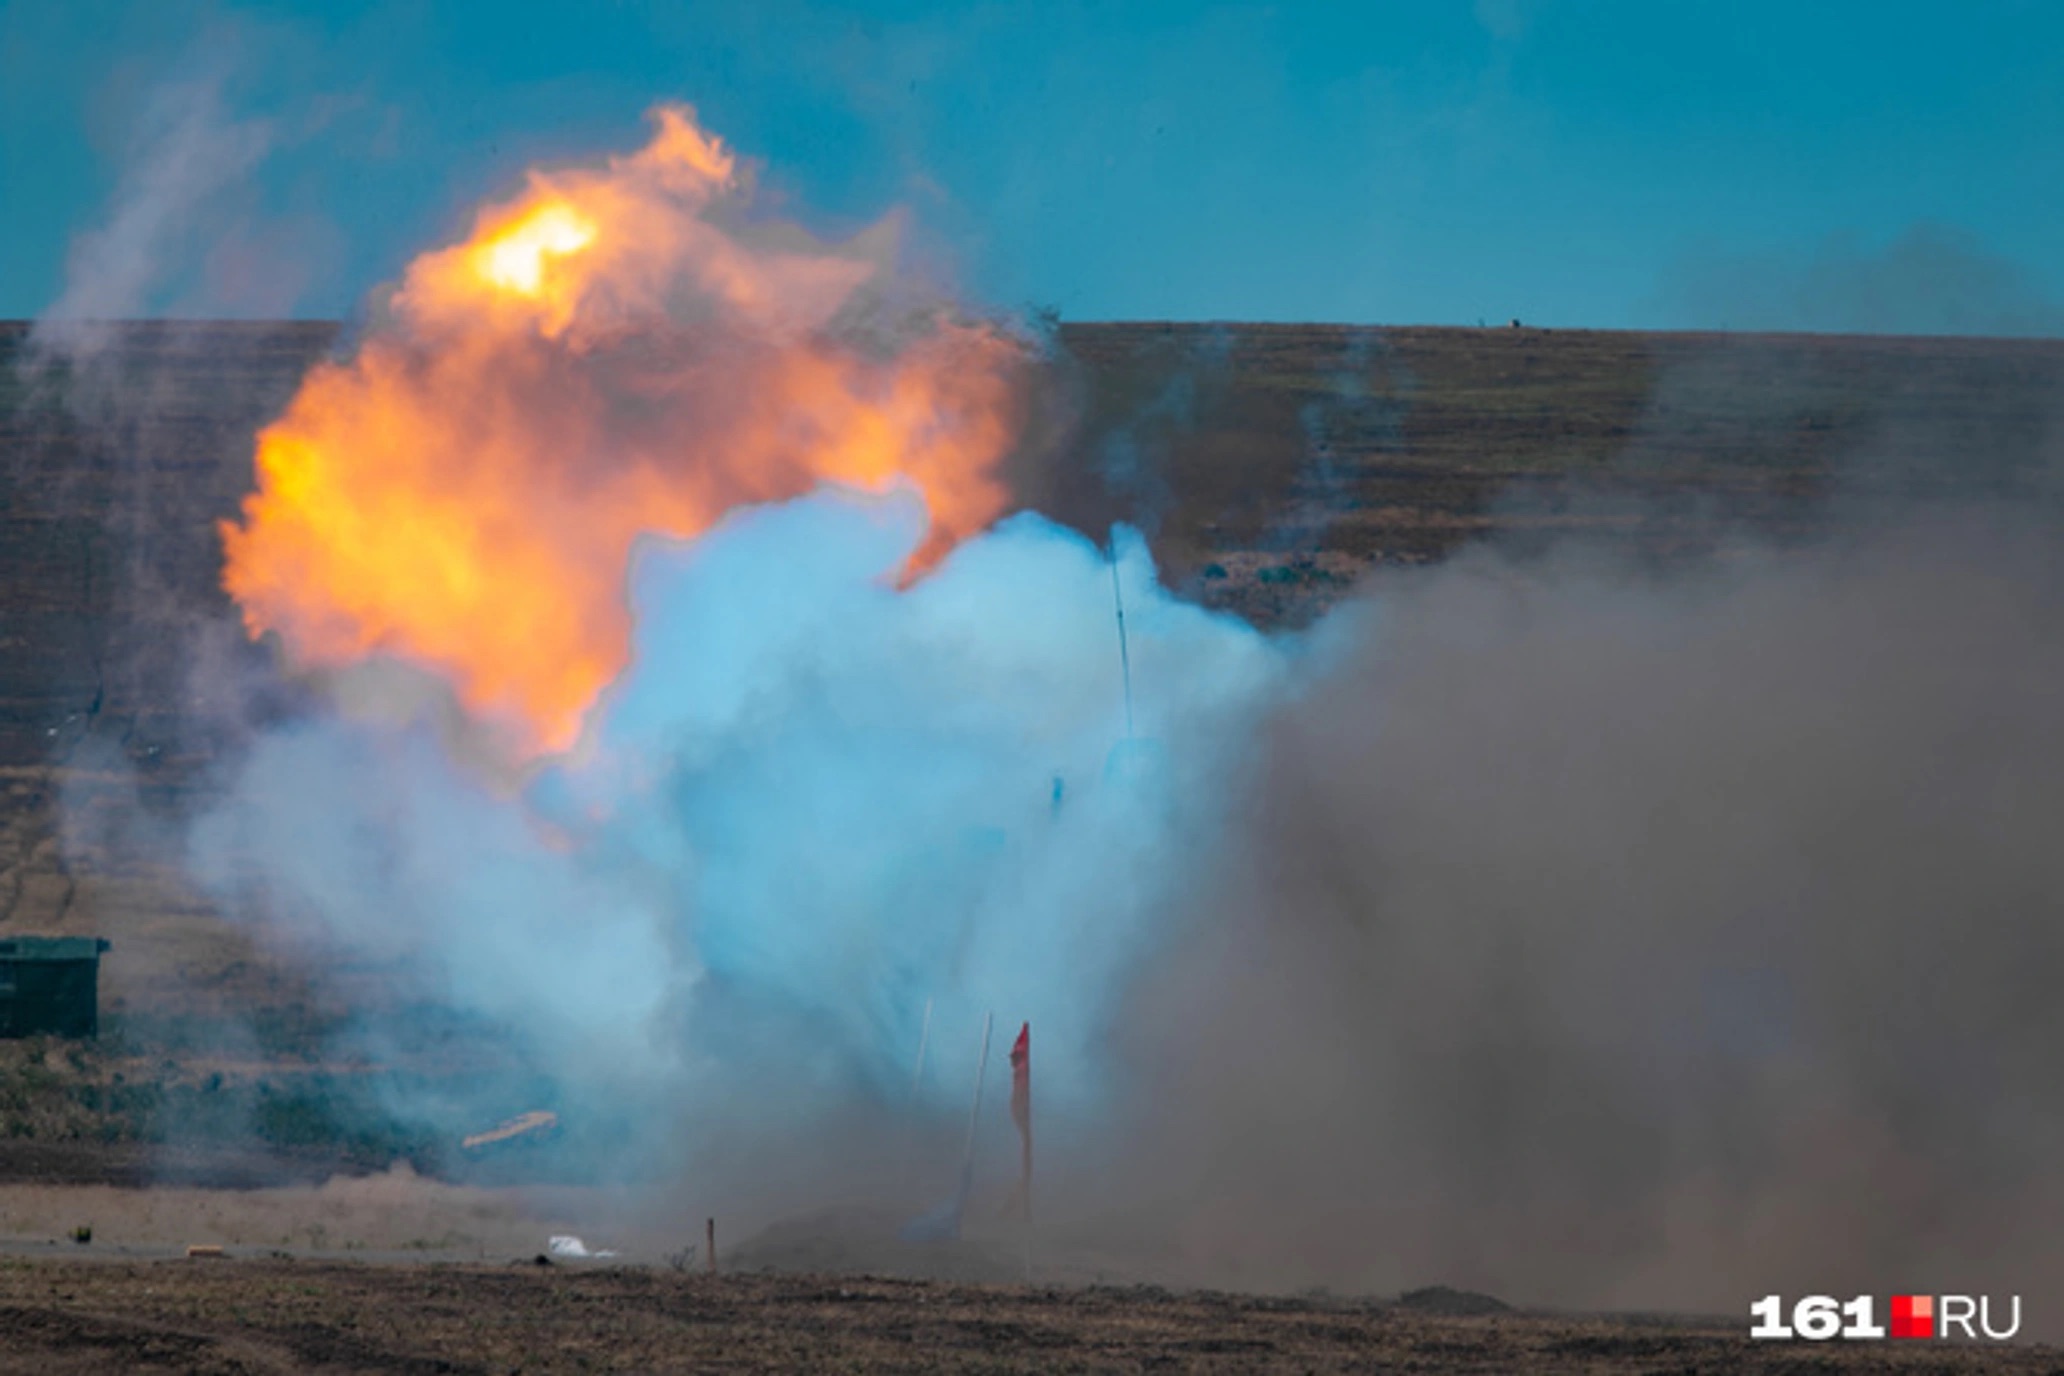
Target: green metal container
50	986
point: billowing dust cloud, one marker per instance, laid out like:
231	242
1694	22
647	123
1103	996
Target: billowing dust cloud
1610	938
1590	934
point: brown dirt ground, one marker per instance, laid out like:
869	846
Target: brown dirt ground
261	1315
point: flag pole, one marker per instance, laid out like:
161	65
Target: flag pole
924	1037
1124	650
1021	1113
967	1164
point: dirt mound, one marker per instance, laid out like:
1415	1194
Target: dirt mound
1443	1299
865	1241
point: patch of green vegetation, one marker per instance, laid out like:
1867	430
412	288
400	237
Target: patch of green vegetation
1298	573
335	1115
59	1091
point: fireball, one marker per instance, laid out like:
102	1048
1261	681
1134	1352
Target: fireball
618	351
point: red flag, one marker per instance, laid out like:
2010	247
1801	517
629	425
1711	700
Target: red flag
1021	1080
1021	1109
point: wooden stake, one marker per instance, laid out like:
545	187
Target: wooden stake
710	1243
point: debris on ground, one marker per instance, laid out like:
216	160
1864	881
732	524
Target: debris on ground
567	1245
524	1127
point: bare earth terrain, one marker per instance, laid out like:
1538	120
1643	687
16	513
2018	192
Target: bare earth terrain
1269	465
256	1315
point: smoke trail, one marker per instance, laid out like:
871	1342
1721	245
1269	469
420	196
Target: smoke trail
115	421
189	158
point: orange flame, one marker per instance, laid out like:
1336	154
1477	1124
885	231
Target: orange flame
607	355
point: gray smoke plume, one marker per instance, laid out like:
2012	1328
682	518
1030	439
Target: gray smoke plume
1607	937
124	414
1930	279
186	161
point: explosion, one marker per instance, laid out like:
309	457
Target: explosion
631	469
1547	923
616	352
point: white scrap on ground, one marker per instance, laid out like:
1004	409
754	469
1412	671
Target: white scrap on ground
566	1245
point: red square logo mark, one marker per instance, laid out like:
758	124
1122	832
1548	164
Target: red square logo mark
1913	1316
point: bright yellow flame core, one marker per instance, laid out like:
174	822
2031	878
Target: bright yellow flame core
514	260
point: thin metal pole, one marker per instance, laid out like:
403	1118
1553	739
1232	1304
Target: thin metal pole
924	1036
967	1164
1027	1177
1124	651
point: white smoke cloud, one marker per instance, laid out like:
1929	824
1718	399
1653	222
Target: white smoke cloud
812	805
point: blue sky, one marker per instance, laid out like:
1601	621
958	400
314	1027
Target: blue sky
1651	164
